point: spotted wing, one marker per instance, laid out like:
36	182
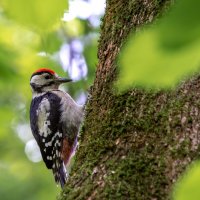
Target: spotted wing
47	130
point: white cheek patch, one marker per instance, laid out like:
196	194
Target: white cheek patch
38	80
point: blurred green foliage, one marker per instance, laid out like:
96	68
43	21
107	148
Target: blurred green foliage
19	177
160	55
27	29
188	185
36	14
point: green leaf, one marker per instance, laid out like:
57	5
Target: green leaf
50	42
188	186
161	55
40	14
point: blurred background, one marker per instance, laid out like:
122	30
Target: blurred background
65	41
63	35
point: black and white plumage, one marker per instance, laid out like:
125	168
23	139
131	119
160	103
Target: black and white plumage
55	119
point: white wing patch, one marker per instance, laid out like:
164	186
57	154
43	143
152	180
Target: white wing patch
43	113
48	144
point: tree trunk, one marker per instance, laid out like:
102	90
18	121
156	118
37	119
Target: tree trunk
133	145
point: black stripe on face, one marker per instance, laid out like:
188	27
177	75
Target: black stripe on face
38	88
48	84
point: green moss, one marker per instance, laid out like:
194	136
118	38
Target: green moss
137	166
130	142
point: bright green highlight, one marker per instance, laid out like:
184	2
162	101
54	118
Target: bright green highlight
39	14
188	186
161	55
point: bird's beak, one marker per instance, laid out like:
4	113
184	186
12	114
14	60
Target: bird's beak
62	80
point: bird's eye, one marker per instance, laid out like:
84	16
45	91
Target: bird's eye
47	77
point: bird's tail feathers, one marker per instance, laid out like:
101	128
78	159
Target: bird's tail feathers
61	175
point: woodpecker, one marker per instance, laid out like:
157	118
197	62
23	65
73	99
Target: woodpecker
55	119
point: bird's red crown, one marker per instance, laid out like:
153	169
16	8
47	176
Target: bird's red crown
44	70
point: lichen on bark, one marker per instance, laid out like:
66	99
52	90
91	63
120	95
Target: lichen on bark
132	145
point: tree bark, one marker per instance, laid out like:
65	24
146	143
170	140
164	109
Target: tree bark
133	145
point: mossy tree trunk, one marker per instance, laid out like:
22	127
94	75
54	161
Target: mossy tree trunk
134	145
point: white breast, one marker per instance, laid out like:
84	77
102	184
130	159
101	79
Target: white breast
72	113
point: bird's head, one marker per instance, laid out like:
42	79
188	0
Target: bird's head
44	80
